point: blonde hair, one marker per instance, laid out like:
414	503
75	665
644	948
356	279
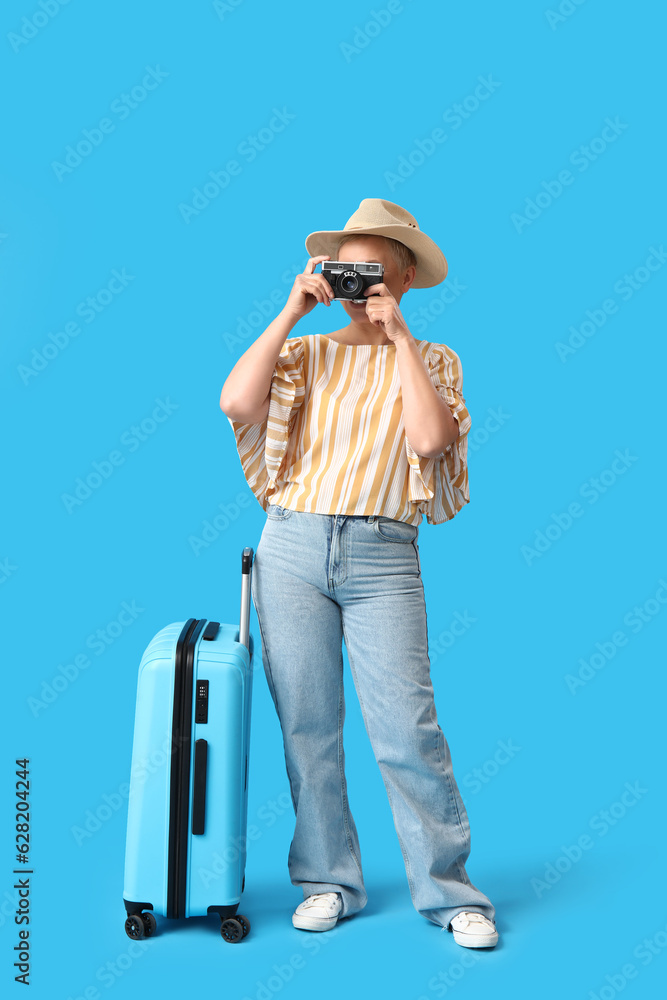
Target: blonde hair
403	255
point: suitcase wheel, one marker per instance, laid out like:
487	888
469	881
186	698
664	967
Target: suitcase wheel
234	929
140	925
134	927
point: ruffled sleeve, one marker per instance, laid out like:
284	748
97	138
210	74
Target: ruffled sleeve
262	447
439	486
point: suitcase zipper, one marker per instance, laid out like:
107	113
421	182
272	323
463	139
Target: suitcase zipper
181	732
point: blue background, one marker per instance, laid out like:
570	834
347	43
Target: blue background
361	98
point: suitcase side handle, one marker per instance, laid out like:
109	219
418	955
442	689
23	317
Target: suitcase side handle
199	792
246	579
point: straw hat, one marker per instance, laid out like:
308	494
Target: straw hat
377	217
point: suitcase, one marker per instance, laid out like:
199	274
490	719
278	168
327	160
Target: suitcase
188	803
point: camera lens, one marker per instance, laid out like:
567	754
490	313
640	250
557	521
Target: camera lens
350	283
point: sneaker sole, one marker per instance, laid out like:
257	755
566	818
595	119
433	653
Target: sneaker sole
478	941
314	923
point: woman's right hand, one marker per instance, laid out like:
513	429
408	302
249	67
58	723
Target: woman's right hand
308	289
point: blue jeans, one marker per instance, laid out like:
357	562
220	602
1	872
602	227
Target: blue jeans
319	578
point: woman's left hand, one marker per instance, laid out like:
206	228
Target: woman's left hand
382	310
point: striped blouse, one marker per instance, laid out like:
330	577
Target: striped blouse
334	440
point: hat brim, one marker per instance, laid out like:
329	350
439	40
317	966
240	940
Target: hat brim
431	262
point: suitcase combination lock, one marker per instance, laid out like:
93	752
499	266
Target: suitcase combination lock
201	711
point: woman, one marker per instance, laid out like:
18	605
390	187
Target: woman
347	440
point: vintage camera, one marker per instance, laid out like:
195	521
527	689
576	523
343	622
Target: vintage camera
349	280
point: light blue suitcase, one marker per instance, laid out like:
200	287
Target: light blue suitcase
186	841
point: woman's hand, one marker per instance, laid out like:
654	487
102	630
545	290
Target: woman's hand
382	311
308	289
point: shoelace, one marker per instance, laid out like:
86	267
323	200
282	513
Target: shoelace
327	897
473	917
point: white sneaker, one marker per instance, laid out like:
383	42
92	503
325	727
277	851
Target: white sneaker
319	912
473	930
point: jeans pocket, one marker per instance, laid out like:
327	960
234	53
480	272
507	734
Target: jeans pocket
277	513
395	531
419	562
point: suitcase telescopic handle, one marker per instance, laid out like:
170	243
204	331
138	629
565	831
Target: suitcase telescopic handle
246	577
